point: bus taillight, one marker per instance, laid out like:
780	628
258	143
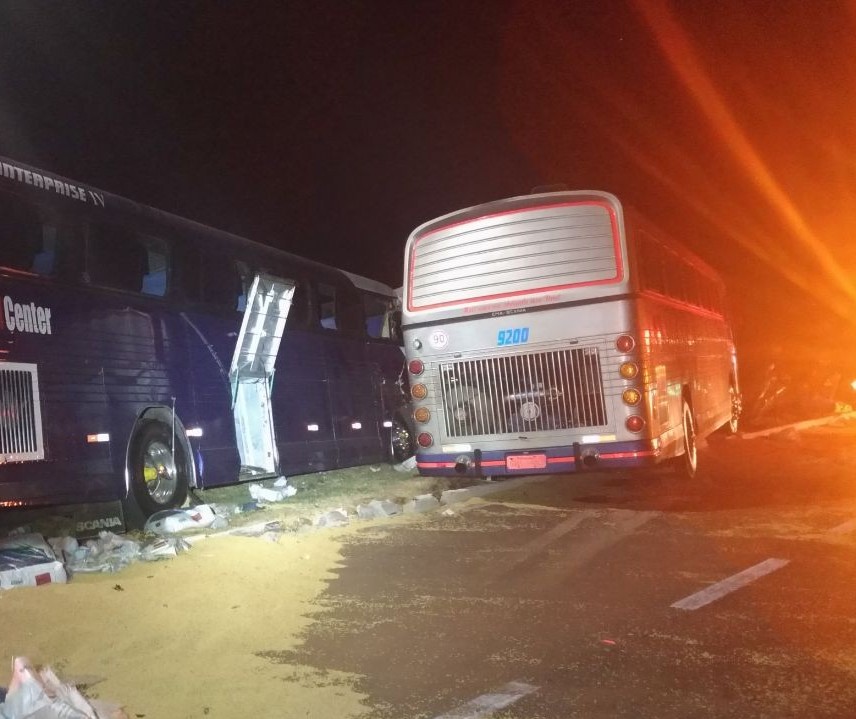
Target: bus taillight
634	423
419	391
416	366
422	415
625	343
424	439
628	370
631	396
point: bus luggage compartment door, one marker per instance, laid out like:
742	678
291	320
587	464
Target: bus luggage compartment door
251	372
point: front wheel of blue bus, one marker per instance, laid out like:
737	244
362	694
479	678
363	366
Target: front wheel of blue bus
158	471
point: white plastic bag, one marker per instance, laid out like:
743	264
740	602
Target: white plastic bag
41	695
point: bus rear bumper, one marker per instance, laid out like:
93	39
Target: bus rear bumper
548	460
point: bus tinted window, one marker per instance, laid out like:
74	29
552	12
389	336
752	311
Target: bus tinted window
378	312
298	314
27	242
222	283
326	295
122	260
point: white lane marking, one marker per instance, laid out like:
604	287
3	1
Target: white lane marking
551	535
487	704
618	523
843	528
732	583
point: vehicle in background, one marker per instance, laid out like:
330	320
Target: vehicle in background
559	332
143	354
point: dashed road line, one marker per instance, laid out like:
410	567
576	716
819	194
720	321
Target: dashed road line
617	525
732	583
488	704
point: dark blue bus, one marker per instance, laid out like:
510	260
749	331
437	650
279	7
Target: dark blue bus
143	354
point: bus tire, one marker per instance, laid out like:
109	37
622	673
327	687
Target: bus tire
733	424
401	444
159	479
686	465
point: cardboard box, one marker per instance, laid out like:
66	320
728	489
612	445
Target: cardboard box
28	561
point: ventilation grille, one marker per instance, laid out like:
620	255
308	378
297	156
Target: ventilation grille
516	252
20	417
523	393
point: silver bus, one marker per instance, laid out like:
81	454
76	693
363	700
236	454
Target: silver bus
562	332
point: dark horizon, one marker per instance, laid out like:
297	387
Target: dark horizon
333	130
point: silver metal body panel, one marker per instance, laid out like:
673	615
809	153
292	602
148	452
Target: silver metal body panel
515	307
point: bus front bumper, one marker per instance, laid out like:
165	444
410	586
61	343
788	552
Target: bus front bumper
549	460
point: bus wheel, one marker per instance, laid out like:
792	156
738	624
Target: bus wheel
159	476
401	444
736	408
687	464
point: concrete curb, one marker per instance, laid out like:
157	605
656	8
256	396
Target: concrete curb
805	424
414	506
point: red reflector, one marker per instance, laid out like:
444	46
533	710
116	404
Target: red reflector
416	366
424	439
634	423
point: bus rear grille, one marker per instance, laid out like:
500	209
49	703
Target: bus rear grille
523	393
20	417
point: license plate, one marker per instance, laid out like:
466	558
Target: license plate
526	461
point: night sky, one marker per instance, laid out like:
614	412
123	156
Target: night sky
334	128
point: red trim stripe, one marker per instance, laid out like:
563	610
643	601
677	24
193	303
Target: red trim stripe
628	455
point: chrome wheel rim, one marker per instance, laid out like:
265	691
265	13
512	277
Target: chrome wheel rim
159	472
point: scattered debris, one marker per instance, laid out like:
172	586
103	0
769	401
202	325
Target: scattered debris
407	465
281	490
332	518
41	694
27	560
422	503
378	509
173	521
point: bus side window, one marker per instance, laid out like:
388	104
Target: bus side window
326	302
155	270
222	283
245	279
379	317
27	242
298	314
186	279
349	310
652	266
120	259
44	261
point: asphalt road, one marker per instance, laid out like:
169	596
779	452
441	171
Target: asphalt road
578	596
